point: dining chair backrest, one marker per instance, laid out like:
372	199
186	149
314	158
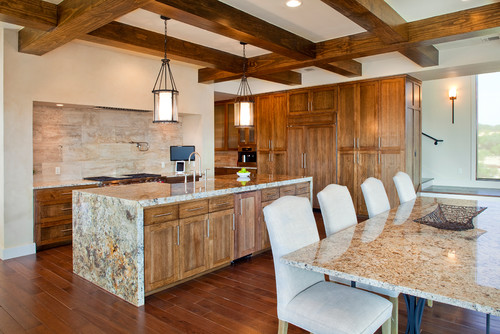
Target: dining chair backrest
404	186
337	208
291	225
375	196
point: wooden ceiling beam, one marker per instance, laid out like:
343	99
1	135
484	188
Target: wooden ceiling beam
36	14
75	18
285	77
217	17
377	17
131	38
474	22
347	68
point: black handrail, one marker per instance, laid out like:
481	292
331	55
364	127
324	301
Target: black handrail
436	141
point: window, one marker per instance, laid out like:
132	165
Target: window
488	126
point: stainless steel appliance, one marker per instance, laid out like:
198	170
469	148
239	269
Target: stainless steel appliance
247	157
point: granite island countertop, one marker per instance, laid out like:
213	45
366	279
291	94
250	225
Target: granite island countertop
108	226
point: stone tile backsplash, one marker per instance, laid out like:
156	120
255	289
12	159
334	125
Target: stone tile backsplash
83	141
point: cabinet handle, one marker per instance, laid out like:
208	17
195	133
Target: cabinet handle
379	142
305	160
162	215
354	142
269	144
358	142
354	157
67	193
241	206
358	158
269	157
178	235
66	209
233	222
220	204
379	158
66	230
302	160
208	228
196	209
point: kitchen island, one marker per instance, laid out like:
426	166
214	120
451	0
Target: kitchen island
136	239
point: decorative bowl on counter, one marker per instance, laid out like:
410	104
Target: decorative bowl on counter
240	174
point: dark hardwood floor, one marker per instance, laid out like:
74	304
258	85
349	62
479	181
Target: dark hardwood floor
40	294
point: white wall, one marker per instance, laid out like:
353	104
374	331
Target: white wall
2	183
452	162
77	74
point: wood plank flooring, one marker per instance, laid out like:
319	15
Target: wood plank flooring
40	294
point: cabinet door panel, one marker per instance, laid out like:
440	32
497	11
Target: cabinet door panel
392	113
296	151
346	111
232	131
347	170
324	99
368	114
264	112
366	167
193	252
265	242
390	164
320	157
279	162
221	237
247	232
161	261
298	102
219	126
278	138
264	165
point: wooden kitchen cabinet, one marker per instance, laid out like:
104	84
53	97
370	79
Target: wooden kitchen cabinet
161	259
379	127
247	234
311	152
53	216
305	101
271	133
193	245
221	237
226	135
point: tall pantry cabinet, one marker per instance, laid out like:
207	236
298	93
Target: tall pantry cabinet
378	134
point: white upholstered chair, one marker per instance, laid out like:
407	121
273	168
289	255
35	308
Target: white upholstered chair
404	186
304	298
375	196
338	213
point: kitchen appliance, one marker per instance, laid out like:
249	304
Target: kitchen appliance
127	179
247	157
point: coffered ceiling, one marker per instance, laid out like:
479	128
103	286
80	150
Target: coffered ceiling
334	35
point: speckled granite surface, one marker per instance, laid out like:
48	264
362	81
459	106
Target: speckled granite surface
40	183
460	268
108	231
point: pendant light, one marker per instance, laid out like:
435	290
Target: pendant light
165	99
244	103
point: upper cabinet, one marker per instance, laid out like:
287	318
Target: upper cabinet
271	122
312	100
226	136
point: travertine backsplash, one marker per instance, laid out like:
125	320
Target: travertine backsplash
83	141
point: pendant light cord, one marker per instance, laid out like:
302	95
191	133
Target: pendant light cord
165	44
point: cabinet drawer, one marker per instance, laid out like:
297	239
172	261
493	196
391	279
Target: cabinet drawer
160	214
270	194
221	203
287	190
58	193
194	208
55	210
56	233
302	188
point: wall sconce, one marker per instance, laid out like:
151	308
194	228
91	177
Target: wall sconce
453	96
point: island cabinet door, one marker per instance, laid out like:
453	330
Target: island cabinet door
193	245
247	207
221	238
161	264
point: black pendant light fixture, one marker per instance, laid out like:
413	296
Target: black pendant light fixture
165	99
244	103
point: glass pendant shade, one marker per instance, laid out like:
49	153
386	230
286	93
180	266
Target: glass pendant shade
243	114
165	107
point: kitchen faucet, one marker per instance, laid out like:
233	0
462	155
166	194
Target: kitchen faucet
194	169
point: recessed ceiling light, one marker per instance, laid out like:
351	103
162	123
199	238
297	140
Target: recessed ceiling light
293	3
59	105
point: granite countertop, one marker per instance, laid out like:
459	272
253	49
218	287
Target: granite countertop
235	167
391	251
149	194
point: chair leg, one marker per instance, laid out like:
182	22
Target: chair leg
386	327
429	302
395	311
282	327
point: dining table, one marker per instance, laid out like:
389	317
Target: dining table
405	250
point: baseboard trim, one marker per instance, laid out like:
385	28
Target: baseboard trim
13	252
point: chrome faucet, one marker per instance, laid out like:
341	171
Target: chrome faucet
194	169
